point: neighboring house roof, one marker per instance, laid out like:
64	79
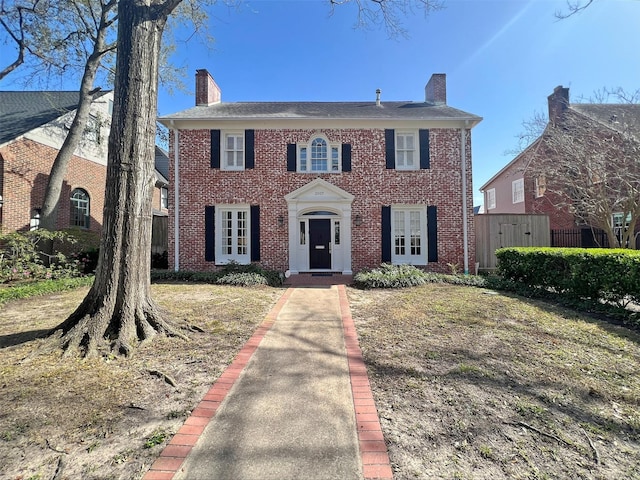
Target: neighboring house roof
162	165
616	116
323	111
21	112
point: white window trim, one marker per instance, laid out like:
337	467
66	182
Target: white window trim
330	147
517	190
224	258
407	258
491	199
416	149
223	151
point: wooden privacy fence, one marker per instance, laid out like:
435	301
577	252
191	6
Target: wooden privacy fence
494	231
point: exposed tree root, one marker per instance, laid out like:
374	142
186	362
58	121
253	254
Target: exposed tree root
94	330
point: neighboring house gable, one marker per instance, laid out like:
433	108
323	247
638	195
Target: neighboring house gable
607	120
320	186
33	126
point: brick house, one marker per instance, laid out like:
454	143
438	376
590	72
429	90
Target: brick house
33	126
519	187
320	186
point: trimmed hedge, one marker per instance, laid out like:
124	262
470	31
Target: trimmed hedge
611	275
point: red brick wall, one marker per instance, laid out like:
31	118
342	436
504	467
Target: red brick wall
369	181
25	168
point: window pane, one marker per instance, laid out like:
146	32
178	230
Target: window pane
303	239
80	208
335	159
336	230
303	159
399	233
319	160
242	233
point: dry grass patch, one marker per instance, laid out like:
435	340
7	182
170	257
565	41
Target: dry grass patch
472	384
110	418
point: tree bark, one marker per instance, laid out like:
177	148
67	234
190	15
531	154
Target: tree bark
118	311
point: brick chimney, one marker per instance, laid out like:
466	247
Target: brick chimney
558	103
207	91
436	89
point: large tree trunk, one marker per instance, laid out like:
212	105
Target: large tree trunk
118	310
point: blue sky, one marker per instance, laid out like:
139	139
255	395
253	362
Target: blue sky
502	59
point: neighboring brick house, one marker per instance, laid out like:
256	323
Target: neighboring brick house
320	186
33	126
519	187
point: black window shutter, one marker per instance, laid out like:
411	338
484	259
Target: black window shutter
291	157
255	233
423	136
209	233
346	157
215	148
386	234
390	148
249	157
432	233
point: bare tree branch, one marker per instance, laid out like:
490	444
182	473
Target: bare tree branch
573	7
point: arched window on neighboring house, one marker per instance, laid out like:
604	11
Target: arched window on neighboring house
80	208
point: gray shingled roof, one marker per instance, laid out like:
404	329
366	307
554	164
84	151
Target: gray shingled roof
617	116
21	112
322	110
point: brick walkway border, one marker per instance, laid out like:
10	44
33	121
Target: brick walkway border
373	450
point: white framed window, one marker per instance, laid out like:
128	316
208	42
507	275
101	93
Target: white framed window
319	155
233	234
92	129
407	150
80	208
517	190
232	151
491	198
409	234
164	197
541	186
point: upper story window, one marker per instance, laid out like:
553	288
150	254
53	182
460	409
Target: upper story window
406	151
80	208
491	198
92	129
517	190
233	151
319	156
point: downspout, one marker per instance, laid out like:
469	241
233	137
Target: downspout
465	229
176	196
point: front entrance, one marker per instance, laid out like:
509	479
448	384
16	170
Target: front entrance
320	244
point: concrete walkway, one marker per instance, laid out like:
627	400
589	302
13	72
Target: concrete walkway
295	404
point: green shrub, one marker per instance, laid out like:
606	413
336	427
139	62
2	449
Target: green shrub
42	288
231	274
31	256
391	276
611	275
